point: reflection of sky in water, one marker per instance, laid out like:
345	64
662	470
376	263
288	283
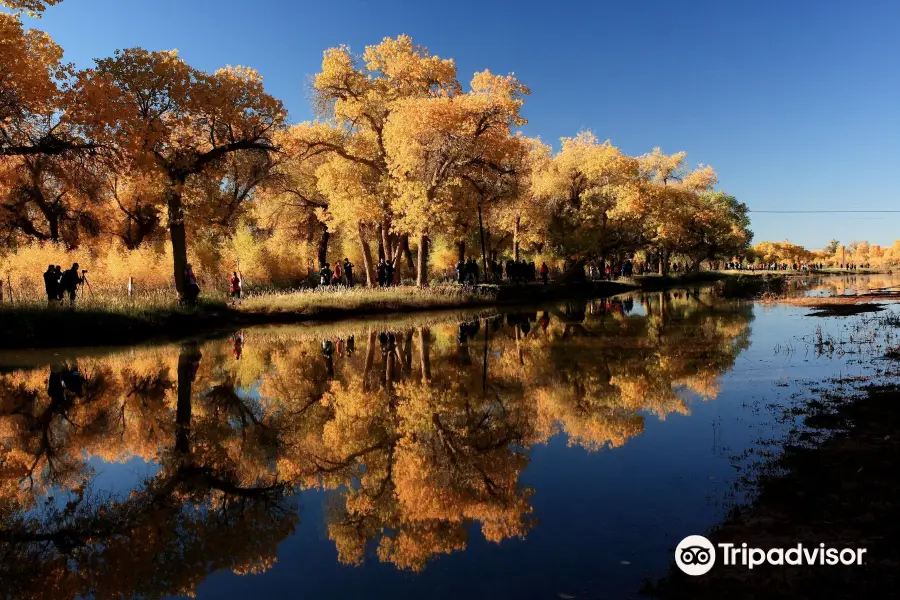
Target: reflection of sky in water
596	510
607	519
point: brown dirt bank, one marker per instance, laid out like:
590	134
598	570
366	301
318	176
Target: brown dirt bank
838	306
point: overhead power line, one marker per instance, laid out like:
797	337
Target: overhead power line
823	211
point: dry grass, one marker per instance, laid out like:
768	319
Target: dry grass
326	300
109	319
816	302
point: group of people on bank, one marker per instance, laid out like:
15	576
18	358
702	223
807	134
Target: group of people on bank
58	283
782	266
467	271
341	274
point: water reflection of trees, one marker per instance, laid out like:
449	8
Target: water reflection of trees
421	433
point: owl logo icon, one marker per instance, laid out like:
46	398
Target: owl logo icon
695	555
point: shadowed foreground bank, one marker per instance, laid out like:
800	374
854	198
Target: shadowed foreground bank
842	492
99	323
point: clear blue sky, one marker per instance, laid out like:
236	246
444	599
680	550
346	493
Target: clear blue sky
796	104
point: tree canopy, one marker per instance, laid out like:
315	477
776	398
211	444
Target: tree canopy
402	158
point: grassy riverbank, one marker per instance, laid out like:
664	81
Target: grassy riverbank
834	483
109	320
102	321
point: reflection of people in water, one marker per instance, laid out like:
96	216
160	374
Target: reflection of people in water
339	342
55	388
465	332
237	344
351	345
328	354
73	380
628	305
387	341
544	321
462	334
576	311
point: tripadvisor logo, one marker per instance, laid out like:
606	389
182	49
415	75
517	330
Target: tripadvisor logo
696	555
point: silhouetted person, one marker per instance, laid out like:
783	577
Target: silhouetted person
324	275
191	287
382	273
51	284
70	281
348	273
59	290
498	271
473	271
545	272
236	287
461	272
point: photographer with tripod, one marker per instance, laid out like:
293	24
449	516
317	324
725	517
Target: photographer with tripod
70	281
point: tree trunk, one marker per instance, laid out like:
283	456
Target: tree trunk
407	351
483	255
367	256
177	234
422	272
404	248
386	241
516	240
322	252
389	371
380	237
187	358
424	358
396	255
370	359
461	251
484	360
310	236
53	224
663	262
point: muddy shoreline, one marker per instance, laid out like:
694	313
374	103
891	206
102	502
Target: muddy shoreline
834	482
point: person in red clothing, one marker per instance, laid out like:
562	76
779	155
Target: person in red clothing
236	287
545	272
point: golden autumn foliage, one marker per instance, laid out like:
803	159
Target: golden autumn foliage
32	7
143	147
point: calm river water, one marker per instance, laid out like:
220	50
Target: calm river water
556	452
